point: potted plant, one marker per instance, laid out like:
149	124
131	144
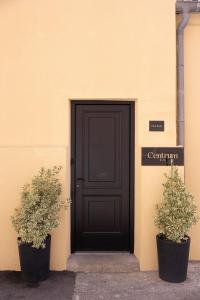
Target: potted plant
34	220
175	215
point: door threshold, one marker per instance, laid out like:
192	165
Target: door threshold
103	262
102	252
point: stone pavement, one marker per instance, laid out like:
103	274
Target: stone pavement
136	286
101	283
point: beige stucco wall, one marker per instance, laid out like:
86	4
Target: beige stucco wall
56	50
192	120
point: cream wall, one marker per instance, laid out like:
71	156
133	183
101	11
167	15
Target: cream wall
192	120
55	50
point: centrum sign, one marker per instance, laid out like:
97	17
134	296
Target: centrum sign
162	156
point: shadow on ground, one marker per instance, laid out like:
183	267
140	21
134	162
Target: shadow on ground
60	285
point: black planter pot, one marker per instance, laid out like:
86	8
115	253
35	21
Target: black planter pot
172	259
34	262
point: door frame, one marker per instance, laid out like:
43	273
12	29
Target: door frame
131	169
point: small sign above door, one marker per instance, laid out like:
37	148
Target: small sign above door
162	156
156	125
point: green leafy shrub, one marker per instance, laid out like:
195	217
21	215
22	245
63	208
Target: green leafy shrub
177	212
40	207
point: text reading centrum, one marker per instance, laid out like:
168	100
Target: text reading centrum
153	155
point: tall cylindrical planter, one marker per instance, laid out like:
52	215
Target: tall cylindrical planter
172	259
34	262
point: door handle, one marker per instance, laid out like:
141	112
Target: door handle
79	179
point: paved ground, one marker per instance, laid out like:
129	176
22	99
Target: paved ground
136	286
102	286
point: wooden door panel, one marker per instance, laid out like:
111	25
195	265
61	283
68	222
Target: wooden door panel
102	149
97	206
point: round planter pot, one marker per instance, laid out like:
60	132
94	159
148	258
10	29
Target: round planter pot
34	262
172	259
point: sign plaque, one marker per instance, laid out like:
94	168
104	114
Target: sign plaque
162	156
156	125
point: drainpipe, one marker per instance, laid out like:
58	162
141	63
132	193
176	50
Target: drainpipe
180	78
185	8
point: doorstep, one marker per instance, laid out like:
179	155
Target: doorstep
102	262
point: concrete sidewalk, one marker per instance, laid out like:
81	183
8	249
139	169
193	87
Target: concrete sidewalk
102	286
136	286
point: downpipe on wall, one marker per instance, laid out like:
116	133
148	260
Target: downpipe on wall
185	8
180	78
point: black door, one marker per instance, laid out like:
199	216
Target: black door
101	177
